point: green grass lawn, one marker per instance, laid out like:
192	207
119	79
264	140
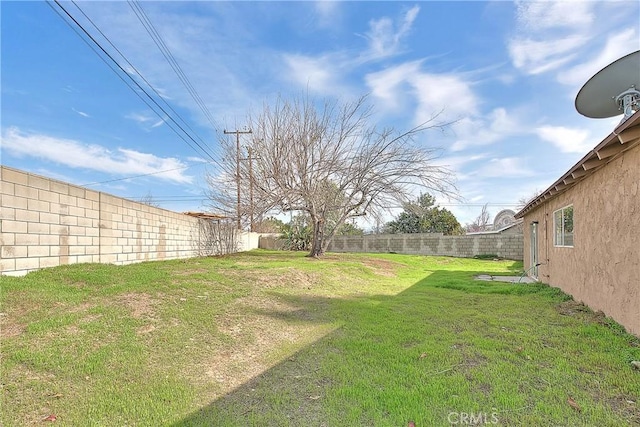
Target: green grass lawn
276	339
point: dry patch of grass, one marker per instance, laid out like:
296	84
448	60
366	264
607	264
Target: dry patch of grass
141	305
9	328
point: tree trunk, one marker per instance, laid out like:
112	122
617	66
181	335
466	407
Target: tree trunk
318	237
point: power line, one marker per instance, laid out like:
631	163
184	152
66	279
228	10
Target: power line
141	175
197	198
150	85
104	51
166	52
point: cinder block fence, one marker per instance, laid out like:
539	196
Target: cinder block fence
45	223
504	245
509	246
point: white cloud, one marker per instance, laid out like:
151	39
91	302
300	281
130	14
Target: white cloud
158	123
543	15
617	45
76	154
567	37
457	162
539	56
507	167
197	160
568	140
448	92
82	113
386	85
549	34
384	36
326	11
490	128
315	73
214	60
145	119
324	73
140	117
431	92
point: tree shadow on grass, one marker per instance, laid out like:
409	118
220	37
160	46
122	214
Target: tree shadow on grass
416	356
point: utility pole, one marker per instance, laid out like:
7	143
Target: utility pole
251	157
237	132
250	188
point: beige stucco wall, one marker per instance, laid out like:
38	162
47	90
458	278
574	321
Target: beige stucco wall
603	268
45	223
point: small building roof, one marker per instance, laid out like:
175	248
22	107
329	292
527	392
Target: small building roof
204	215
624	136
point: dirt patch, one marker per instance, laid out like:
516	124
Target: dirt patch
190	272
81	307
72	330
571	308
578	309
20	377
289	278
484	388
628	406
10	329
90	318
141	305
145	329
382	267
19	307
78	285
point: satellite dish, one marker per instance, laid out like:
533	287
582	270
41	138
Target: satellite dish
612	90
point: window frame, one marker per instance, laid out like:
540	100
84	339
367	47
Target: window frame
562	233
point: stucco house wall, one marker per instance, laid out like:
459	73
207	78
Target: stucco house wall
602	269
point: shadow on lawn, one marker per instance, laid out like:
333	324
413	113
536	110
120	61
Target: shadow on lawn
372	369
296	389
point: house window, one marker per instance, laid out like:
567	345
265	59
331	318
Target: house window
563	227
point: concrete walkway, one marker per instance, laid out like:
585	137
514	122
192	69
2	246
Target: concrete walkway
510	279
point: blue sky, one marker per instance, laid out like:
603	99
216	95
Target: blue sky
507	72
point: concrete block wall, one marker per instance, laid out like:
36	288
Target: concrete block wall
131	231
509	246
45	223
271	241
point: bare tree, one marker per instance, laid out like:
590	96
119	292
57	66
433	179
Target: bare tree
330	163
149	200
481	223
524	200
216	237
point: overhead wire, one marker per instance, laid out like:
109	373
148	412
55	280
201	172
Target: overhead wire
168	55
142	175
196	198
148	84
166	116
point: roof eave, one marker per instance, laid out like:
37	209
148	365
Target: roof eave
624	136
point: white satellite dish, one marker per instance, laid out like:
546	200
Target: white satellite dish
612	90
